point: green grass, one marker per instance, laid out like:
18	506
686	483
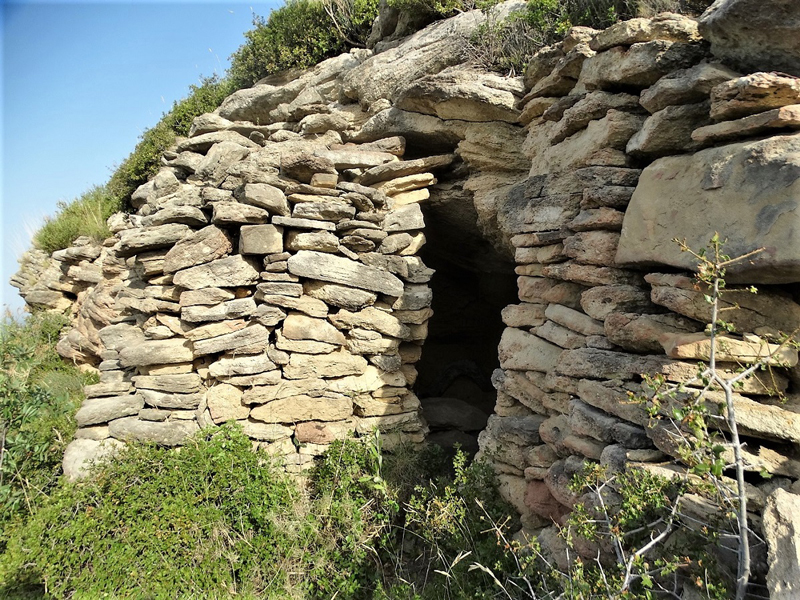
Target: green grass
86	215
39	394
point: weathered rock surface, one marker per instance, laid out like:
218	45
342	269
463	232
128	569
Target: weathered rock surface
168	433
782	532
223	272
324	267
754	93
459	93
686	86
748	191
103	410
753	35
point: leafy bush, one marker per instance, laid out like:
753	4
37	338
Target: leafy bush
298	35
208	521
39	394
86	215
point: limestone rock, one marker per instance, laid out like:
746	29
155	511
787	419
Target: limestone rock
323	211
697	346
541	64
81	454
121	335
168	433
296	223
250	340
225	403
214	167
686	86
185	382
670	131
404	168
522	351
573	319
230	366
748	192
188	215
784	118
232	309
641	333
303	408
666	26
598	302
754	93
134	241
594	105
592	247
592	219
429	51
156	352
232	271
638	66
204	142
269	432
462	93
372	319
754	35
336	364
206	245
345	158
170	400
210	330
339	295
304	304
320	241
235	213
302	327
260	239
304	166
524	315
255	103
782	532
561	80
335	269
264	196
103	410
539	499
747	312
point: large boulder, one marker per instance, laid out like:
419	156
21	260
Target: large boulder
386	75
466	94
748	192
755	35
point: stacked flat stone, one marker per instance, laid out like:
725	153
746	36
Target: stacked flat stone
589	224
294	305
270	276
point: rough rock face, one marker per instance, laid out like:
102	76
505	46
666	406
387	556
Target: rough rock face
782	531
748	190
272	275
754	36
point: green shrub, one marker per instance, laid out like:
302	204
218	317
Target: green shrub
86	215
297	35
39	394
208	521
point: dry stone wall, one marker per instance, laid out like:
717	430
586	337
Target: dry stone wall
638	135
271	275
295	305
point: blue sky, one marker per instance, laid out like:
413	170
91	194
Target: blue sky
80	83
